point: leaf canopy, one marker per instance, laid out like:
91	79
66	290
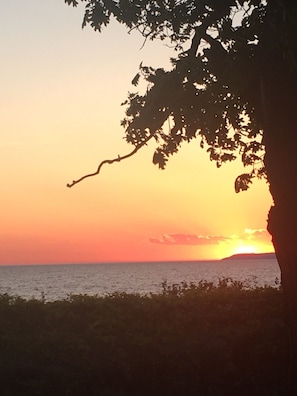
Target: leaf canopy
213	91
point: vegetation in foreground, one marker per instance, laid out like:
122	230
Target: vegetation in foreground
188	340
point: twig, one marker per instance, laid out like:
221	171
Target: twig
118	159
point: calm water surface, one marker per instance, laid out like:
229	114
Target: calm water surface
58	281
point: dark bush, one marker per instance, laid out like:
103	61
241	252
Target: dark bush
189	340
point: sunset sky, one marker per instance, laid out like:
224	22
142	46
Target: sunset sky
61	94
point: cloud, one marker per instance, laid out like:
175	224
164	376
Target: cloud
198	240
260	233
188	239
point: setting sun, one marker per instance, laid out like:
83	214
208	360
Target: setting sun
242	249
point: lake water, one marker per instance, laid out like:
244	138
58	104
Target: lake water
58	281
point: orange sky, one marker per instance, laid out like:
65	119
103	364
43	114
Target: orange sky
61	90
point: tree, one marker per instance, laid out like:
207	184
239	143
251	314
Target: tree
232	85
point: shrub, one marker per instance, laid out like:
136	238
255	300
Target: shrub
190	339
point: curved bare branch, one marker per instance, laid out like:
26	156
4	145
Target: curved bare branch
111	161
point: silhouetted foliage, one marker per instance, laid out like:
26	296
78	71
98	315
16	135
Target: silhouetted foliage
232	86
214	90
188	340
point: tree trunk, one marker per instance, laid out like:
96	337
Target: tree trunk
282	226
280	138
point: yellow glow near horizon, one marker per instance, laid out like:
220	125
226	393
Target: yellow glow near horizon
245	249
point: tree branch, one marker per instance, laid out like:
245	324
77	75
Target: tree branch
111	161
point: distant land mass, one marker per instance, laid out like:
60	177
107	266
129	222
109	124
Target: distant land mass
251	256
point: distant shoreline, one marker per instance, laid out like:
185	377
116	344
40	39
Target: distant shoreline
250	256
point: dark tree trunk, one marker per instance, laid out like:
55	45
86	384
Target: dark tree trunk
280	138
282	225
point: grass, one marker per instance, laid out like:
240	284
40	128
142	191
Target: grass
188	340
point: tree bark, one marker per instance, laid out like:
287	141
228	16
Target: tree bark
280	139
282	226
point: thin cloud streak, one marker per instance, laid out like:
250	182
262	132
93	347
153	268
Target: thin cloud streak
199	240
188	239
261	233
